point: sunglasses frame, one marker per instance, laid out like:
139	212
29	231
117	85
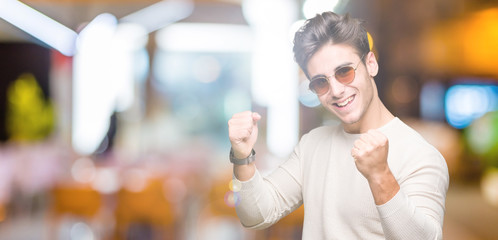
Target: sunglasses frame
327	78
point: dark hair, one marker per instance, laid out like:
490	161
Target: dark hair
328	28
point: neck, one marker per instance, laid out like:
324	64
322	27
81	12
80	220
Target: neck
376	116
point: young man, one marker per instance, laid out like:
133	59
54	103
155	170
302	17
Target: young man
372	177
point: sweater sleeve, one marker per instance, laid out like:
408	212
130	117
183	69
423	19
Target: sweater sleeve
264	201
417	210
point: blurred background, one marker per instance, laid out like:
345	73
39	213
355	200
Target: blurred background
113	113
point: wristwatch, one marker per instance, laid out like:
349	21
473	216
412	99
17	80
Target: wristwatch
243	161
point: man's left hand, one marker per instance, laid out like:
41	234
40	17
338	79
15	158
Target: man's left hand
370	154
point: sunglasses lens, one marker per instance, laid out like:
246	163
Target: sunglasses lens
345	75
319	86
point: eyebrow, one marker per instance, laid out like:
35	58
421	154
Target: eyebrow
342	65
335	70
318	76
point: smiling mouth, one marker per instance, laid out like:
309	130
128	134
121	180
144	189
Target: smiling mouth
345	102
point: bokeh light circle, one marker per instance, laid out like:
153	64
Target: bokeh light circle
235	185
306	96
232	199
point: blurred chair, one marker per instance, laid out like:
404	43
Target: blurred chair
218	219
145	214
72	201
217	197
76	200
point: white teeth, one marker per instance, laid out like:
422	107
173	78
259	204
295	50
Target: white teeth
342	104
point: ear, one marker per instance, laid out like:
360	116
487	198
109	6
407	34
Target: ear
371	64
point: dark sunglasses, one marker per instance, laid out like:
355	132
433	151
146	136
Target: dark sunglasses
345	75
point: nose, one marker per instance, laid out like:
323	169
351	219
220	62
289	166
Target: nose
336	88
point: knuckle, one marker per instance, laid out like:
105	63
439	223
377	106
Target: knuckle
246	114
239	114
384	142
369	149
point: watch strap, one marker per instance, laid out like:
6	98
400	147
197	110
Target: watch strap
243	161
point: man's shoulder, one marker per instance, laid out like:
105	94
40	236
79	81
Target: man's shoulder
412	152
404	134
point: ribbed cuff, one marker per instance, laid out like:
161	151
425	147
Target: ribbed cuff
392	206
251	183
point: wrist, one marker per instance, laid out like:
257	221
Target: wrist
242	160
383	187
244	172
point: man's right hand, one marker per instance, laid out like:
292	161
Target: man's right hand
243	133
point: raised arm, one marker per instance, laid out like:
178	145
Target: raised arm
263	201
243	133
414	207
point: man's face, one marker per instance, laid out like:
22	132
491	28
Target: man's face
349	102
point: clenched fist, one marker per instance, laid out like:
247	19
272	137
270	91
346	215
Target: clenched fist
370	154
243	132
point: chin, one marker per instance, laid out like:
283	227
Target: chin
349	119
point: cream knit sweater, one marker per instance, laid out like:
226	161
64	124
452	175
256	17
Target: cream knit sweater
338	203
